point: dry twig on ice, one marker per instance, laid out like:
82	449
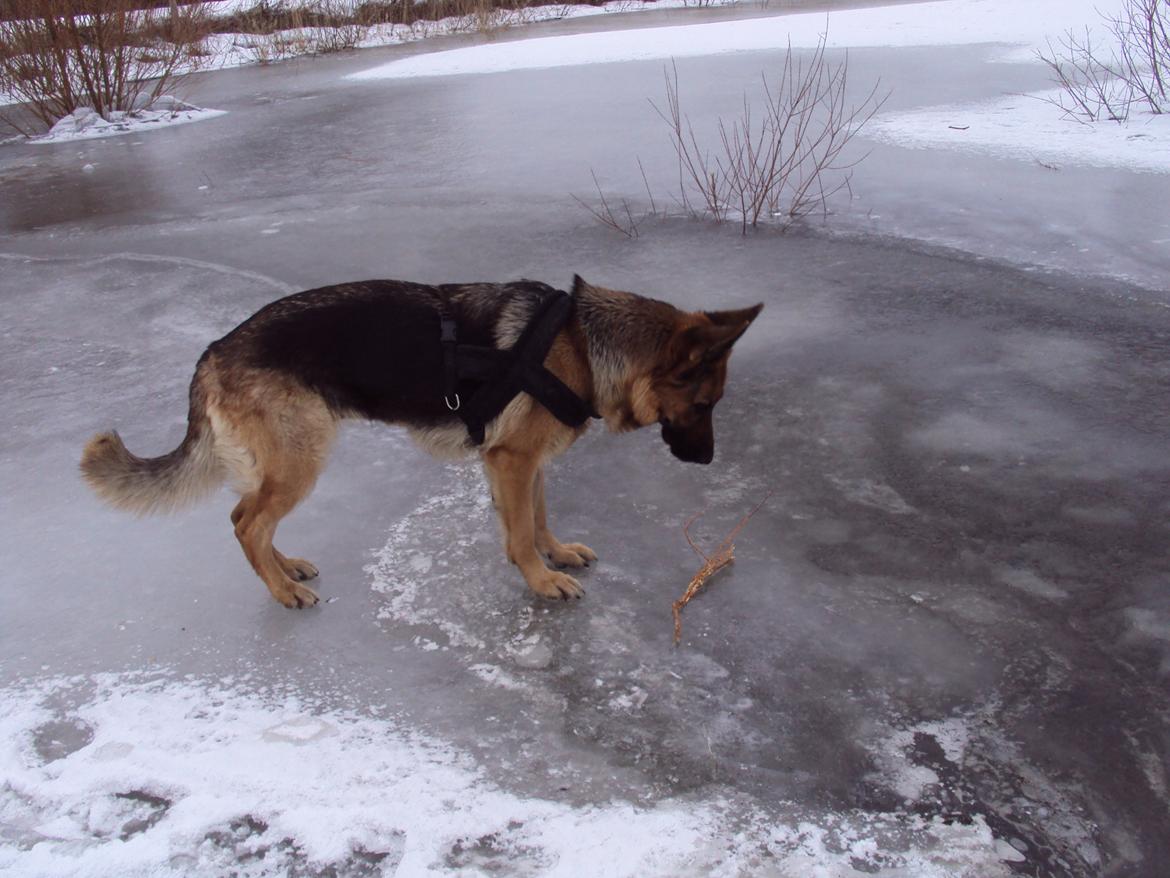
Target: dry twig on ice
722	557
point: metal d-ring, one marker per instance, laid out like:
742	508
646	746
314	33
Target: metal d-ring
454	407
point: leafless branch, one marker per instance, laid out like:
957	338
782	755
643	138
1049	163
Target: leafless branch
783	159
605	213
1105	83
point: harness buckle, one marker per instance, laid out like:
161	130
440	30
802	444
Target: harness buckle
453	406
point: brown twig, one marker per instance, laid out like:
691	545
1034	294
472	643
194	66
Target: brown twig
723	556
605	214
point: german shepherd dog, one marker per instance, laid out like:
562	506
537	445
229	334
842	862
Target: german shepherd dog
266	400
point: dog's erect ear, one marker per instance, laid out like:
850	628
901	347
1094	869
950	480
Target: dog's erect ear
734	318
579	285
710	341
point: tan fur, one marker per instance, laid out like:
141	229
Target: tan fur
273	435
270	436
161	484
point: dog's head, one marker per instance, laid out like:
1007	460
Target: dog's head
689	380
660	365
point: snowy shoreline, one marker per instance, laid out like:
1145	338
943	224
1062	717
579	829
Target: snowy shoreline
1024	127
1028	127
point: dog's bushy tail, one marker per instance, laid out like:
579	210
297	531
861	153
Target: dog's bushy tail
155	484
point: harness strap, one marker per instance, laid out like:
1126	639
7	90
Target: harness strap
450	359
503	374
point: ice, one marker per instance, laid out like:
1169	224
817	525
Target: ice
942	649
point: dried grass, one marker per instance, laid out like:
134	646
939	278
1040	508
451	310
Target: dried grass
723	556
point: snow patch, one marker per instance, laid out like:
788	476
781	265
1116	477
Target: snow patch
197	777
1029	583
874	494
1031	128
300	730
460	520
206	780
86	124
494	675
951	22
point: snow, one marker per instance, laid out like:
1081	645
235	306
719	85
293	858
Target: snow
224	51
1022	126
1030	127
85	124
945	23
227	50
167	777
965	458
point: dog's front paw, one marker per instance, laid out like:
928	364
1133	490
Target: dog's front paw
571	554
295	596
551	584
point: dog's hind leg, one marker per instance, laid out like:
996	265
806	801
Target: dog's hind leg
561	554
256	518
277	449
512	474
294	568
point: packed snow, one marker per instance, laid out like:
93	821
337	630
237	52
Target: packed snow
944	23
1028	126
1032	127
86	124
225	50
141	774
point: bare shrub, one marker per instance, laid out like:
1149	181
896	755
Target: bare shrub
621	220
1090	89
1142	31
57	56
783	160
1099	83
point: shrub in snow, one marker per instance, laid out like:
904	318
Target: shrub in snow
1131	70
57	56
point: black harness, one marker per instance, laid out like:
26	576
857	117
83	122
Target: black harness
500	375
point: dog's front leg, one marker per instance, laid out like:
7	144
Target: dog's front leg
512	475
561	554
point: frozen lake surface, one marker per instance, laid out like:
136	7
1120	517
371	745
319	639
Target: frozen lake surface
945	644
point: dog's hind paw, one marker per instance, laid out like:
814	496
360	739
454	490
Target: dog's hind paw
554	585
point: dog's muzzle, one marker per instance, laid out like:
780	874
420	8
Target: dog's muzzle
695	445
